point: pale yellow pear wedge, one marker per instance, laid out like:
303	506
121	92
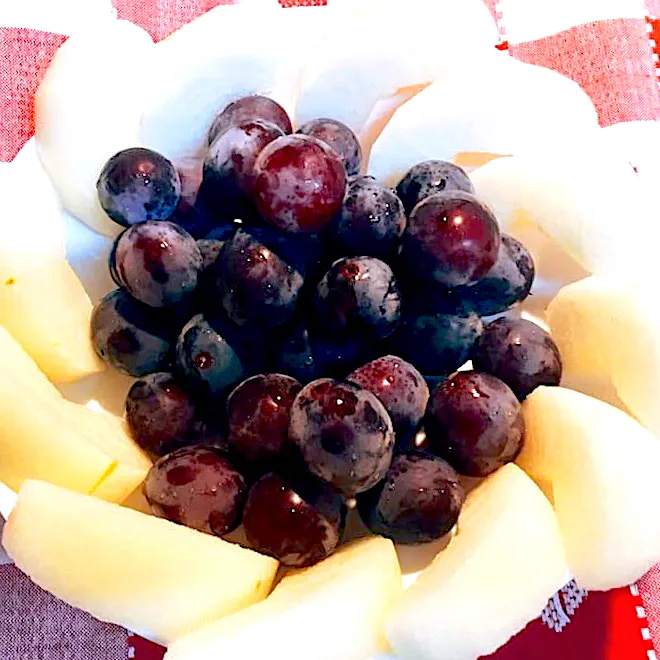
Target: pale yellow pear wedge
602	465
357	585
125	567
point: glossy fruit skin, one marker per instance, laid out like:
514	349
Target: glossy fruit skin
428	178
138	184
452	239
258	413
299	184
520	353
358	297
344	434
371	221
229	168
475	423
130	337
250	108
210	249
160	414
197	487
340	138
299	520
157	262
418	501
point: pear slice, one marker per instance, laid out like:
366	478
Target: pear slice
128	568
495	576
602	465
362	580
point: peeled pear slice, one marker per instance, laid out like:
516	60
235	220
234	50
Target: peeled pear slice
497	105
125	567
602	467
88	108
495	576
610	331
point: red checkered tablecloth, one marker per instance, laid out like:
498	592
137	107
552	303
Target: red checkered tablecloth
611	48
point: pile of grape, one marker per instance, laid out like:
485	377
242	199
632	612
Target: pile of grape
286	324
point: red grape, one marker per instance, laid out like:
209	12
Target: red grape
338	137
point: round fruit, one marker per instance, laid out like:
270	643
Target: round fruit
520	353
344	434
158	263
340	138
452	239
430	177
418	501
299	183
258	413
138	184
358	297
197	487
299	521
475	423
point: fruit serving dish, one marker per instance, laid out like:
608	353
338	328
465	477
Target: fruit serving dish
290	340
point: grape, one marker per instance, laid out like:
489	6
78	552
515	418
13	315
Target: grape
400	388
160	414
210	249
475	423
299	183
452	239
299	521
137	185
213	356
197	487
158	263
132	338
520	353
250	107
418	501
430	177
371	221
340	138
197	220
229	168
258	411
358	297
344	434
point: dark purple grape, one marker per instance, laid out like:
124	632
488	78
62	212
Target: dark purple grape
418	501
520	353
475	423
400	388
258	412
344	434
197	220
452	239
137	185
197	487
340	138
358	297
132	338
160	414
299	521
430	177
112	261
299	183
157	262
371	221
250	107
210	249
213	355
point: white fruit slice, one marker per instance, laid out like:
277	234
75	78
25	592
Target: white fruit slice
495	576
362	578
388	47
602	465
610	234
498	106
608	330
122	566
88	107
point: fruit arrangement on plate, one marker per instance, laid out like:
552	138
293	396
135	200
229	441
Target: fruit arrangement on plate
328	319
